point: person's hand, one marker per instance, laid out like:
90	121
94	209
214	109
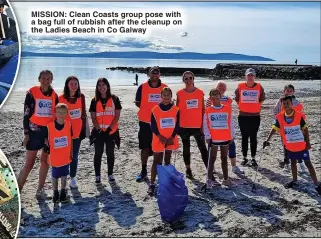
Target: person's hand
108	130
170	141
162	139
46	149
231	141
71	156
308	146
25	140
266	144
208	141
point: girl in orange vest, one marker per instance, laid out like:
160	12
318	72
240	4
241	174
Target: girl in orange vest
190	101
165	127
105	111
249	96
278	108
295	136
58	145
75	101
226	100
218	132
39	110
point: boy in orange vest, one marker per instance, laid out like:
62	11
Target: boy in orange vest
278	108
218	132
165	127
58	144
295	136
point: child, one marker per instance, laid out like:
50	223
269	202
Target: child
58	144
226	100
295	137
278	108
218	133
165	127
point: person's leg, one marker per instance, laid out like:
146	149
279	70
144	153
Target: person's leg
43	170
212	162
294	171
158	158
242	120
232	156
253	130
199	137
110	152
168	154
145	137
55	197
185	136
99	149
312	172
63	192
29	163
224	164
75	152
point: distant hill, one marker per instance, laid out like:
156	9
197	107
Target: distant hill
155	55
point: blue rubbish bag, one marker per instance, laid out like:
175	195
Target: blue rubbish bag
172	194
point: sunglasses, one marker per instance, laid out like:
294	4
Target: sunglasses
155	72
188	78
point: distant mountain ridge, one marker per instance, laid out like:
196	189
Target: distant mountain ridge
154	55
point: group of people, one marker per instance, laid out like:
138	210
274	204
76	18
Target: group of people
58	124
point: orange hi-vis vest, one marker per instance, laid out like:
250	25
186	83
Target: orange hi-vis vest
166	121
60	144
219	123
150	98
190	107
74	115
298	107
44	107
292	135
105	116
249	98
225	100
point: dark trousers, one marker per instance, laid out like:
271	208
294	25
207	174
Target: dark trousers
249	126
108	140
185	134
74	162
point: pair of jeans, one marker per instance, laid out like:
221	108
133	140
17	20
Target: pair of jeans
74	163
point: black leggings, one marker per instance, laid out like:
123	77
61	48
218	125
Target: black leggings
102	140
185	134
249	126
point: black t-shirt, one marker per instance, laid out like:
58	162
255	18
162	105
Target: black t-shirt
58	127
116	100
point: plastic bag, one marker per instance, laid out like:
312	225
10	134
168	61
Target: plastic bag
172	194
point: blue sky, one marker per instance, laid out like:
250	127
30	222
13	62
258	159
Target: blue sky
282	31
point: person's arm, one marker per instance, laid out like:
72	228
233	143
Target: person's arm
203	112
29	107
206	130
71	145
118	108
46	148
232	125
277	108
153	125
177	100
208	103
138	97
304	128
262	95
237	95
92	111
275	128
177	127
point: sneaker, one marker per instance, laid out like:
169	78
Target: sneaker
41	194
281	164
141	177
211	183
73	183
286	168
318	189
237	170
245	161
111	178
63	196
151	189
254	163
55	197
227	183
189	173
98	181
302	168
291	184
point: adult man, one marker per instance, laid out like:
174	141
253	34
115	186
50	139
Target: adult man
148	95
249	96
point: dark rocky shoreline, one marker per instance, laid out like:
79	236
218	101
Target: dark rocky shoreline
224	70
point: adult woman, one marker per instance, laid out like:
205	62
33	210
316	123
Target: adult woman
105	111
190	101
39	108
249	96
75	101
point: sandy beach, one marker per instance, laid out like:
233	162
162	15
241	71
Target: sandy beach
123	209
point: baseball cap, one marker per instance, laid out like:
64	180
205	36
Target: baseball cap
154	68
250	71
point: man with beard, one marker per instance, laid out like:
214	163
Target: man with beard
148	95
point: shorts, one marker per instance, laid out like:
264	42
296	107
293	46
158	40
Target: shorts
36	139
58	172
299	155
232	150
145	135
224	143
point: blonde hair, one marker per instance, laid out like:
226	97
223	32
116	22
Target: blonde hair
220	82
61	106
187	72
166	89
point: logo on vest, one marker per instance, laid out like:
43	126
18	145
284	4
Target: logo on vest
192	104
75	114
250	96
293	134
43	108
154	98
60	142
167	123
219	120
